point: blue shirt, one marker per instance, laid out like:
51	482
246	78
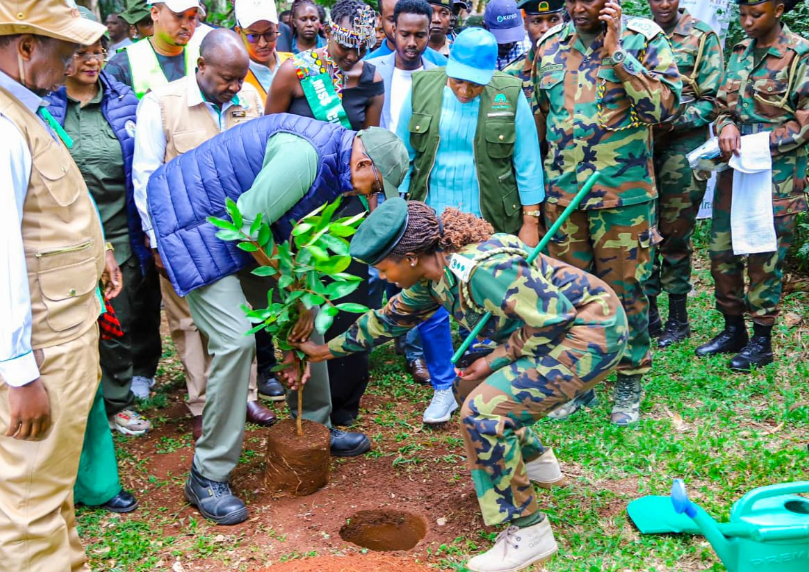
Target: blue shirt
430	54
454	179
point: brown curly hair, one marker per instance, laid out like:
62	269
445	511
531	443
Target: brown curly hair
424	234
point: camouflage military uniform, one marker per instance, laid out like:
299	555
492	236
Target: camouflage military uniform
595	115
560	331
521	68
770	95
699	59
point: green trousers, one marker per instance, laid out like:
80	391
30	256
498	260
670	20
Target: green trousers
139	350
97	481
217	312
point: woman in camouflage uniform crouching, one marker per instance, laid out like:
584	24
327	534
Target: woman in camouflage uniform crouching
560	331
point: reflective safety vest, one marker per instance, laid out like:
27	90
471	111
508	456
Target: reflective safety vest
147	74
253	80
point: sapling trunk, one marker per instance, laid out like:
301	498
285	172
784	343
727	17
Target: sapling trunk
301	369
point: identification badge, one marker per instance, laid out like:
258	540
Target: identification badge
238	113
461	267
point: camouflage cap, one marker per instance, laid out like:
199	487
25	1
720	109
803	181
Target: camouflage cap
381	232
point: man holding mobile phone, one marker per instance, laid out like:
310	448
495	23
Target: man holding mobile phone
602	82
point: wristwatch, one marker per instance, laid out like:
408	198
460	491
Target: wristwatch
534	213
618	57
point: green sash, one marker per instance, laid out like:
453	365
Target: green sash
319	90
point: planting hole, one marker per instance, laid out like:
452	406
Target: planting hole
798	506
384	530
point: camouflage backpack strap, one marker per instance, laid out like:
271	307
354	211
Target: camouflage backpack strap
800	51
692	79
463	266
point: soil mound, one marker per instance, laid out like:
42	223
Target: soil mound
297	465
352	563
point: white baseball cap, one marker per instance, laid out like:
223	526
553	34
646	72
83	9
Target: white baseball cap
248	12
178	6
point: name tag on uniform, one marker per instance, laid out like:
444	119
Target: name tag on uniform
238	113
461	267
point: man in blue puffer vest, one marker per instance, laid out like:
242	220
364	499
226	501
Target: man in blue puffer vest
282	166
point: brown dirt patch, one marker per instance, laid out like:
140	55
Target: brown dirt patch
354	563
297	465
384	530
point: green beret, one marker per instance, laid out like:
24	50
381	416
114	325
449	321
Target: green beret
541	6
381	232
136	10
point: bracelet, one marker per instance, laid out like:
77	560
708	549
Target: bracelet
534	213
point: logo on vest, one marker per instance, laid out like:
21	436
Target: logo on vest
129	127
500	101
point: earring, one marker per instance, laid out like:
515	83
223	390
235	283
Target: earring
412	264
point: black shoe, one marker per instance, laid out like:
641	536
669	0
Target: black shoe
270	388
732	339
655	323
121	503
677	328
758	352
345	444
214	499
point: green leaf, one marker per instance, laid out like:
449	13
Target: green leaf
337	290
221	223
318	253
285	281
314	212
331	311
255	330
301	228
323	322
336	244
247	247
353	308
256	226
352	220
343	277
264	236
282	366
341	230
233	211
311	300
264	271
333	265
325	218
229	235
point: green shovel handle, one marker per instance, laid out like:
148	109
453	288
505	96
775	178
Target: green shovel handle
574	204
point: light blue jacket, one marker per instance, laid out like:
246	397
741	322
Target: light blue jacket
385	65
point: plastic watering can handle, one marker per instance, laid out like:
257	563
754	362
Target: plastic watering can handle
746	502
680	500
776	533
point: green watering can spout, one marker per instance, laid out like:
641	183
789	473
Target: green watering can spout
723	547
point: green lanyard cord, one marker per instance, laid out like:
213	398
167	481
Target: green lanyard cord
58	129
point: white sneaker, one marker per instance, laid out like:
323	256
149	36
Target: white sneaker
129	422
545	472
142	386
441	407
517	548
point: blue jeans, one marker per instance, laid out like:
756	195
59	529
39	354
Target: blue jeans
431	340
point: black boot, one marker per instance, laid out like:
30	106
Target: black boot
732	339
756	353
214	499
677	328
655	324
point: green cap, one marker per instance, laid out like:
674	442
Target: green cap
136	10
444	3
541	6
381	232
389	155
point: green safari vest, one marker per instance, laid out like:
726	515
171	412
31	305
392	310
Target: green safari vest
493	146
147	74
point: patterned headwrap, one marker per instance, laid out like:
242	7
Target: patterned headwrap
364	31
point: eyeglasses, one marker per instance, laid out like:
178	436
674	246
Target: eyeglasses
254	38
87	56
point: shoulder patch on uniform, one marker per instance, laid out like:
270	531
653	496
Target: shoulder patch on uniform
702	26
461	266
552	32
799	44
644	26
550	68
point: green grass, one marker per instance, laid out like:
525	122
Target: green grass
724	433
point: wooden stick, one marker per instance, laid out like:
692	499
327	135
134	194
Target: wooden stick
301	369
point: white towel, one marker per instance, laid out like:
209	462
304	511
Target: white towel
752	225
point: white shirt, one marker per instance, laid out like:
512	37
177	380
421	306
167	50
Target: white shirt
399	88
17	364
150	143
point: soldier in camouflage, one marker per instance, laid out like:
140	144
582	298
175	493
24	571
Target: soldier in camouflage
559	331
766	88
699	59
601	82
540	16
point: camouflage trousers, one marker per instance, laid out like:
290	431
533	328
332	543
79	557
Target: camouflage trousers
614	245
496	419
764	271
679	197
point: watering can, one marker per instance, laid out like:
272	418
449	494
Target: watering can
768	529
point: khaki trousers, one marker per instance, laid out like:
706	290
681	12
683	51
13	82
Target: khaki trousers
192	349
37	522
